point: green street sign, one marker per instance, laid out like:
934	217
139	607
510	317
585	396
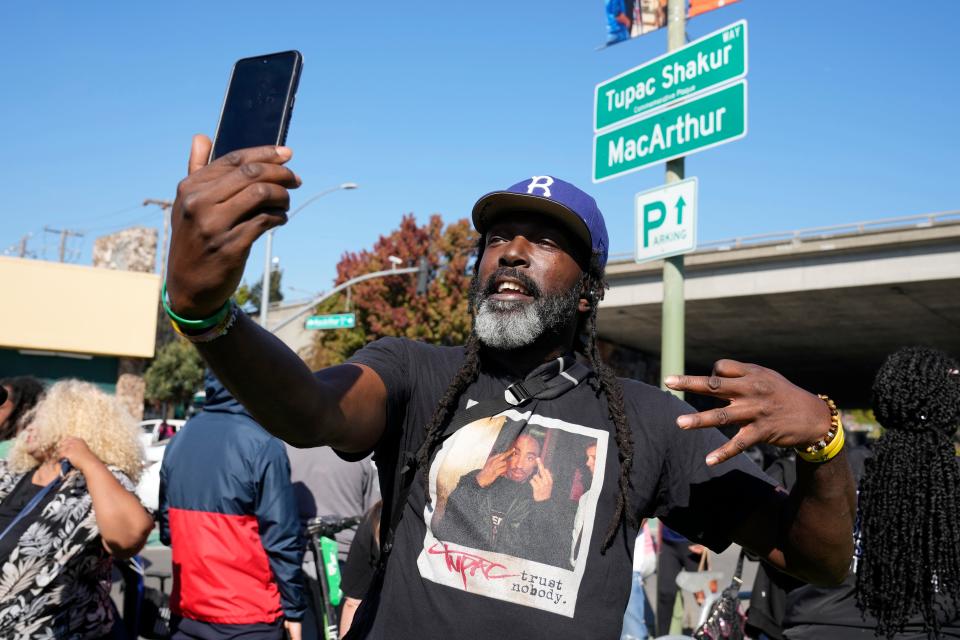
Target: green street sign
333	321
710	120
706	63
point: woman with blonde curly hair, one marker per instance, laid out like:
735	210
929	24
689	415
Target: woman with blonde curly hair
66	508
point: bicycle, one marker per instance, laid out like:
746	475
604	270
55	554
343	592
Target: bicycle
144	611
321	531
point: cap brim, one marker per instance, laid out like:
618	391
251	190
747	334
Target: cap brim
498	203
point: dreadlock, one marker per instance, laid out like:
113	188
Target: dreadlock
909	500
444	412
612	389
606	382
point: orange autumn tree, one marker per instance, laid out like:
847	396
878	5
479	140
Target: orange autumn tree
390	306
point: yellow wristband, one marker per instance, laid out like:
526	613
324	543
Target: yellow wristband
829	451
212	333
831	444
828	447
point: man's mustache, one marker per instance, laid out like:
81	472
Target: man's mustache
515	274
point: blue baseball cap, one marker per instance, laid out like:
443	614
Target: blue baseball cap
576	210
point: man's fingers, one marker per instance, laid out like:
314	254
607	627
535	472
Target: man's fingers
730	368
744	439
543	471
199	153
723	383
270	154
247	232
258	198
731	414
242	177
715	385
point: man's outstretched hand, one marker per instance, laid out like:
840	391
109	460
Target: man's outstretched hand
220	210
767	406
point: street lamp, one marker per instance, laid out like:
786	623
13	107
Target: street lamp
268	259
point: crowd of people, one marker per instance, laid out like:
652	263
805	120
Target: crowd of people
516	475
232	508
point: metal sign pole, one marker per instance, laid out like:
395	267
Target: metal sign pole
672	331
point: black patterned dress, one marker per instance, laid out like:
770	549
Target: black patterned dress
56	581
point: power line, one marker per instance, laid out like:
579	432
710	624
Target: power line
104	216
123	225
64	236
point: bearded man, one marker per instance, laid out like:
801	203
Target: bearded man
538	281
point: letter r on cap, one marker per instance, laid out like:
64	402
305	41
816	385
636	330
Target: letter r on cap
540	182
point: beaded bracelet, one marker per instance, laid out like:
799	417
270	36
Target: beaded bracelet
212	321
214	332
831	444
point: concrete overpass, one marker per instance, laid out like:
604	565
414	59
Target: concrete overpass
823	306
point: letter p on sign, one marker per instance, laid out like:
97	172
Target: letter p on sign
666	220
654	214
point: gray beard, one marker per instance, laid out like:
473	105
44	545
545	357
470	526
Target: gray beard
511	324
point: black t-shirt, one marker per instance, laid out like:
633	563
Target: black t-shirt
11	507
831	613
536	582
362	560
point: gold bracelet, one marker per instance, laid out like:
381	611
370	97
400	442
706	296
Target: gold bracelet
831	444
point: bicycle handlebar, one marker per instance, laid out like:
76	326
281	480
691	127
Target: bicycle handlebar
329	526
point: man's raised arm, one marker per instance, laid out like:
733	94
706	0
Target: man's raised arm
220	210
810	533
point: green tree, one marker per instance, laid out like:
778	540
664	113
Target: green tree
248	297
390	306
175	374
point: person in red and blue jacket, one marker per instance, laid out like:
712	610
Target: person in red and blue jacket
229	514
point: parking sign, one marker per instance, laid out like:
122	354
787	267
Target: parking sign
666	221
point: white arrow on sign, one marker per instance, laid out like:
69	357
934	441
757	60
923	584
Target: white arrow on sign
666	221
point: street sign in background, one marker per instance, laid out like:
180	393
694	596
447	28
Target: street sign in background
666	220
712	119
713	60
333	321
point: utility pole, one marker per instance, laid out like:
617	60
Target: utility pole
672	336
64	234
165	207
23	246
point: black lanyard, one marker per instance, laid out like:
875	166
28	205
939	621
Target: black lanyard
65	466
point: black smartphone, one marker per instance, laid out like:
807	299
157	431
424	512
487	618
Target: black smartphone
259	102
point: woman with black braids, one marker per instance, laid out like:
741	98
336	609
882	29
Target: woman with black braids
909	500
904	582
520	464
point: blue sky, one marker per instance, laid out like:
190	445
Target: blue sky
428	105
